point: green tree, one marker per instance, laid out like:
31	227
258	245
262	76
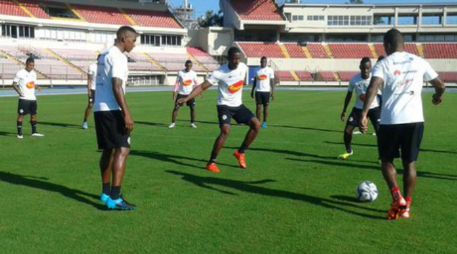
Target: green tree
211	19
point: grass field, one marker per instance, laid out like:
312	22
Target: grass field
295	196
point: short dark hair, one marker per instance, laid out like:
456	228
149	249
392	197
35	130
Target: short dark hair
188	62
263	57
380	58
365	60
232	51
30	60
123	30
394	38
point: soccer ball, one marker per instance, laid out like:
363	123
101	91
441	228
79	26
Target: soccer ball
367	192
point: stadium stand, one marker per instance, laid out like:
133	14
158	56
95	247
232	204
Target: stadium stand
34	8
347	75
448	76
304	75
350	50
284	76
203	58
104	15
295	51
256	10
153	18
259	49
317	50
8	7
440	50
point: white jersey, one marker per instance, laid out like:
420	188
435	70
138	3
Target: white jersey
263	79
111	64
403	76
185	82
230	84
92	72
360	87
26	83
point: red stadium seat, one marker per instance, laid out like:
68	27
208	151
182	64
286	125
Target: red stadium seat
104	15
295	51
284	76
153	18
356	50
8	7
34	7
256	9
261	49
304	75
440	50
317	50
347	75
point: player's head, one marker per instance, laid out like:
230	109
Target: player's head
188	65
365	67
126	37
380	58
263	61
393	41
30	64
234	57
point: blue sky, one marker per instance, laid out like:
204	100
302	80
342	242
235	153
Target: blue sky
201	6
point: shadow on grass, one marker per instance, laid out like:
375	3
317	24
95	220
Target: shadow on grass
41	183
7	134
306	128
427	150
253	187
339	163
151	123
63	125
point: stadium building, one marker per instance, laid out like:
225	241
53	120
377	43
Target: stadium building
307	44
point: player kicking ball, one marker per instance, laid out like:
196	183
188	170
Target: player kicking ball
359	85
230	78
25	84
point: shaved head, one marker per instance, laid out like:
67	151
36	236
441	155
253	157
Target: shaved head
393	41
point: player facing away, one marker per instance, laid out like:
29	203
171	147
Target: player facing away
401	76
113	121
184	85
264	89
25	84
91	77
230	78
358	84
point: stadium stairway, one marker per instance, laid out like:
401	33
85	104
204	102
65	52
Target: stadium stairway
328	50
154	62
14	59
195	60
128	18
307	53
62	59
420	49
284	50
373	50
24	8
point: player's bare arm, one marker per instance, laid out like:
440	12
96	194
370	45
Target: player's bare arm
119	95
253	87
347	100
196	92
439	86
375	84
16	88
273	86
89	79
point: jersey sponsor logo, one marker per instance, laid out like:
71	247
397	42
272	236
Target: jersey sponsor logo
263	77
30	85
187	82
236	87
397	73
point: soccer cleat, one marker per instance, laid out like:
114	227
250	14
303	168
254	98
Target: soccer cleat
241	157
20	136
36	134
193	125
85	126
119	204
104	198
264	125
345	155
212	167
172	125
398	205
355	132
404	213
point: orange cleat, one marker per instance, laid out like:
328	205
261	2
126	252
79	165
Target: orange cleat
212	167
241	157
397	206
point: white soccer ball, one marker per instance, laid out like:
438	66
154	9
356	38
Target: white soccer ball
367	192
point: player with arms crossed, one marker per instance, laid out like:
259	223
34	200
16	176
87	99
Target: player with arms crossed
113	121
264	84
184	85
358	84
25	84
230	79
400	76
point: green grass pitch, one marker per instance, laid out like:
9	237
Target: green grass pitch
295	196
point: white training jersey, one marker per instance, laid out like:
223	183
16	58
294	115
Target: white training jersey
230	84
263	79
111	64
360	87
26	83
92	72
185	82
403	74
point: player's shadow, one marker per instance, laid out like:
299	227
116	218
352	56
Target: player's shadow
63	125
254	187
375	146
151	123
305	128
174	159
340	163
41	183
7	134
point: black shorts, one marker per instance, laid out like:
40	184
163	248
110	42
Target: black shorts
25	107
404	137
92	96
262	98
190	103
110	129
241	114
374	115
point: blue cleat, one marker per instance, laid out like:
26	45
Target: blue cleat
104	198
119	205
264	125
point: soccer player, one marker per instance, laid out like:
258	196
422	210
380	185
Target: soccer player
91	76
359	85
25	84
184	85
264	89
230	78
113	121
401	76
